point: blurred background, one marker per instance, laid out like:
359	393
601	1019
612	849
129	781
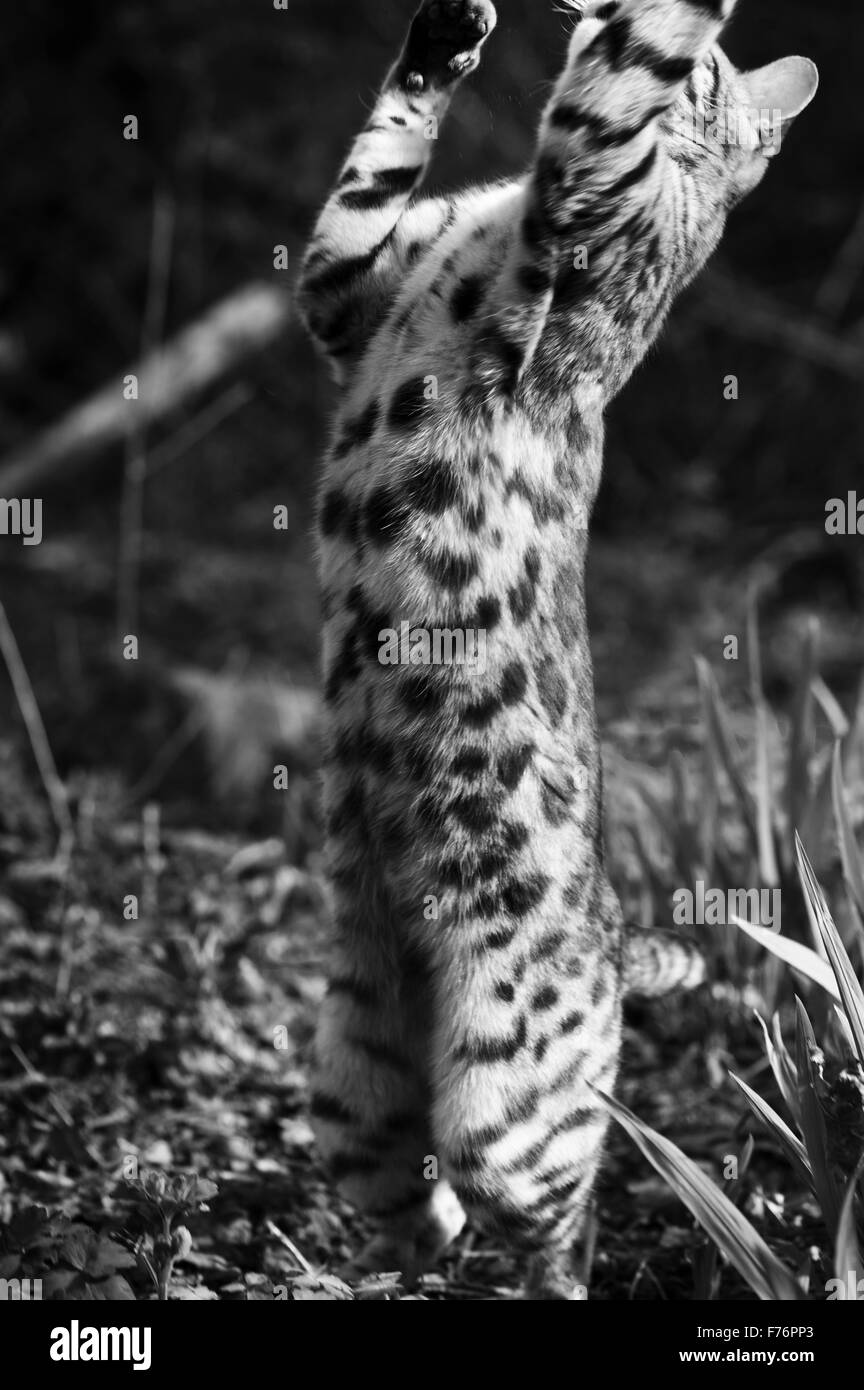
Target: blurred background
158	516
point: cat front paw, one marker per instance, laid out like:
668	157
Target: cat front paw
445	40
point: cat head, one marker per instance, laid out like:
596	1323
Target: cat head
728	125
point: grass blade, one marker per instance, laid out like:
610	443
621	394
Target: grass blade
732	1233
813	1122
709	805
789	1068
851	993
794	953
768	869
665	818
845	1028
706	1273
789	1142
781	1065
717	730
688	849
853	871
817	820
800	749
831	709
847	1256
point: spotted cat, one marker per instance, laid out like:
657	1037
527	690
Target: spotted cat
474	1009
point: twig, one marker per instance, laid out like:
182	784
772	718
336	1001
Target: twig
131	536
65	949
843	274
301	1259
205	422
751	314
151	831
646	1270
135	472
56	1103
249	321
808	341
24	694
458	1287
175	745
36	1075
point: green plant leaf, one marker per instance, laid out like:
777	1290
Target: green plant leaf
321	1288
706	1272
781	1064
768	870
107	1257
789	1142
831	709
853	871
717	730
847	1253
732	1233
846	1029
27	1227
813	1121
800	748
79	1245
56	1283
709	806
688	846
816	822
794	953
851	994
113	1290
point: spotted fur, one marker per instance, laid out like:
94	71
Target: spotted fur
474	1007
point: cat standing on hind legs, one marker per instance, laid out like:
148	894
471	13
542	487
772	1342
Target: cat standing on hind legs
480	956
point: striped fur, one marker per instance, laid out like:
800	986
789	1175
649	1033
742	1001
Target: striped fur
480	955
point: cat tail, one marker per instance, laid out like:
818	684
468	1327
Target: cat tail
657	963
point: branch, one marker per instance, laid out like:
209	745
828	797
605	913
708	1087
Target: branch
54	788
749	313
245	323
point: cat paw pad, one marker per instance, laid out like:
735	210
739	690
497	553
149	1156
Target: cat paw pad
445	40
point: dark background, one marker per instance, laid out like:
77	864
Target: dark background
244	114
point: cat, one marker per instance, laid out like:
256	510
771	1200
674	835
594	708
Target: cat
474	1008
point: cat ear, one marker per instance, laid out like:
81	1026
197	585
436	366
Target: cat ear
786	86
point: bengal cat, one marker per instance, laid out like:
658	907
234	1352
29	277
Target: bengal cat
475	1001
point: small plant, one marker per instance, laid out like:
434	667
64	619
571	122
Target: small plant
64	1260
823	1091
164	1203
732	819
